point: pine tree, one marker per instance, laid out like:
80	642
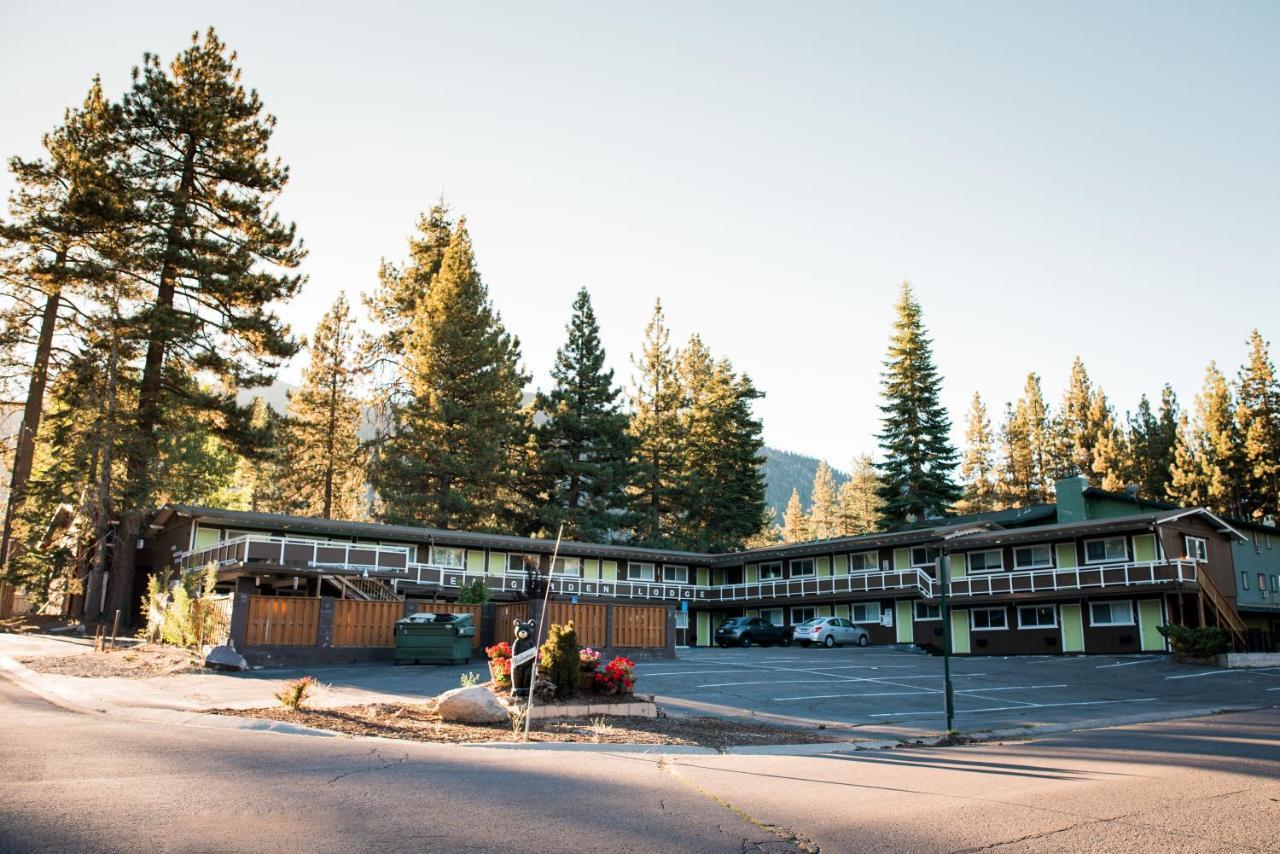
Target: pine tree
977	469
824	510
1073	432
1258	420
1206	469
1112	458
448	462
215	253
584	449
1025	456
1151	441
325	476
915	429
859	499
795	524
655	428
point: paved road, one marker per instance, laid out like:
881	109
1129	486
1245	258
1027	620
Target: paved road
887	687
88	782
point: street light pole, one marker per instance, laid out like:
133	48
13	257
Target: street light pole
948	695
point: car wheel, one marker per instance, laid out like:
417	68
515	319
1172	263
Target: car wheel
829	642
863	640
723	645
744	641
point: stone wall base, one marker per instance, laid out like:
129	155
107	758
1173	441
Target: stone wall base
1249	659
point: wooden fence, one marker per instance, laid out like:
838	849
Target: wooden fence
282	621
455	608
359	623
639	626
504	616
588	621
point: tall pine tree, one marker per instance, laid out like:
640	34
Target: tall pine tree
824	508
656	429
1152	439
859	499
918	458
1206	469
978	468
795	523
1258	420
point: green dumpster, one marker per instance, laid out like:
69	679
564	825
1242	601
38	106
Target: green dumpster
434	639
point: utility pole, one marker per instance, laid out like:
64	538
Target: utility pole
948	694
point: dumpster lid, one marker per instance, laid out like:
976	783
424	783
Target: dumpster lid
429	617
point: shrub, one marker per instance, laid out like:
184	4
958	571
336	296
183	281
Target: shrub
560	660
1200	642
295	694
475	593
181	612
469	680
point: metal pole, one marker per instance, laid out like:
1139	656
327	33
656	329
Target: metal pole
537	638
948	693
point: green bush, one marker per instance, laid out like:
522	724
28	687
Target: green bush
1200	642
475	593
183	614
295	694
559	661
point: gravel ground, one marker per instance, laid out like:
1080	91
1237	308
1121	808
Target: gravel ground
144	661
421	723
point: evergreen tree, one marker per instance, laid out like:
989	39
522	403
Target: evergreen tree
1111	454
584	449
325	476
977	469
1024	471
216	255
824	509
795	524
915	429
1258	420
260	477
1151	440
448	462
859	499
1074	433
655	428
1207	455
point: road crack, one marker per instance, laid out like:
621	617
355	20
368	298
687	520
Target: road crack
383	767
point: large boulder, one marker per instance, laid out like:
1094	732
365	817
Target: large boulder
225	658
473	705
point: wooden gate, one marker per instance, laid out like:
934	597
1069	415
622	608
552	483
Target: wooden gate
588	621
455	608
357	623
639	626
503	618
282	621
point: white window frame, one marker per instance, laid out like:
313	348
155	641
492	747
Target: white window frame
911	556
769	613
1244	579
671	576
1112	605
862	556
437	553
796	617
973	622
632	575
567	566
1048	564
926	618
773	565
1124	541
868	618
812	570
999	553
1035	608
1197	548
526	562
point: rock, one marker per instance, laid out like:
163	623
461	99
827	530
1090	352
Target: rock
474	705
225	658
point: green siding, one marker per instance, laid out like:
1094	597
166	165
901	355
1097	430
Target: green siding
824	567
1144	548
591	568
704	577
497	563
902	558
703	625
609	570
1150	618
959	567
1066	553
475	560
902	621
1072	628
753	574
960	632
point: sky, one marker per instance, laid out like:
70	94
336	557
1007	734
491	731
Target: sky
1093	179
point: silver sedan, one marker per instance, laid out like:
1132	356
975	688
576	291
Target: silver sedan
830	631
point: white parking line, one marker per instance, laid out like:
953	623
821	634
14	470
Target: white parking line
1013	708
1216	672
689	672
967	691
1128	663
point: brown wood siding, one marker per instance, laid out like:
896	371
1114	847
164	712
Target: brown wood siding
639	626
282	621
588	621
364	624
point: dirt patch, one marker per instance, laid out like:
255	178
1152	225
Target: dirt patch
144	661
29	624
421	723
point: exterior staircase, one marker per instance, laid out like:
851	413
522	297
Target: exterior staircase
365	589
1224	613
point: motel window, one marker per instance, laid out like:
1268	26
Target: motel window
1257	542
1037	617
1262	583
567	566
864	562
801	566
925	611
865	612
924	555
1275	584
770	571
676	574
1244	580
989	619
773	615
1111	613
640	572
1197	549
802	615
1107	549
1032	557
989	561
451	557
522	563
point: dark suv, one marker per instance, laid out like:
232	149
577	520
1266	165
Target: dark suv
744	631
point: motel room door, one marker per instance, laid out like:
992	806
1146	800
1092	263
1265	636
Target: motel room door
1072	628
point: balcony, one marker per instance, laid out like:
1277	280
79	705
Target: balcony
1108	576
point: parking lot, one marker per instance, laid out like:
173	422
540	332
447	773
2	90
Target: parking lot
901	689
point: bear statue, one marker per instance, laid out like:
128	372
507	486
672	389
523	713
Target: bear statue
521	667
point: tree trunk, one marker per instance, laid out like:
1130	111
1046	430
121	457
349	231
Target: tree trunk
24	453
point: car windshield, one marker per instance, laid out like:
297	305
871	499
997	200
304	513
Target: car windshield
735	621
